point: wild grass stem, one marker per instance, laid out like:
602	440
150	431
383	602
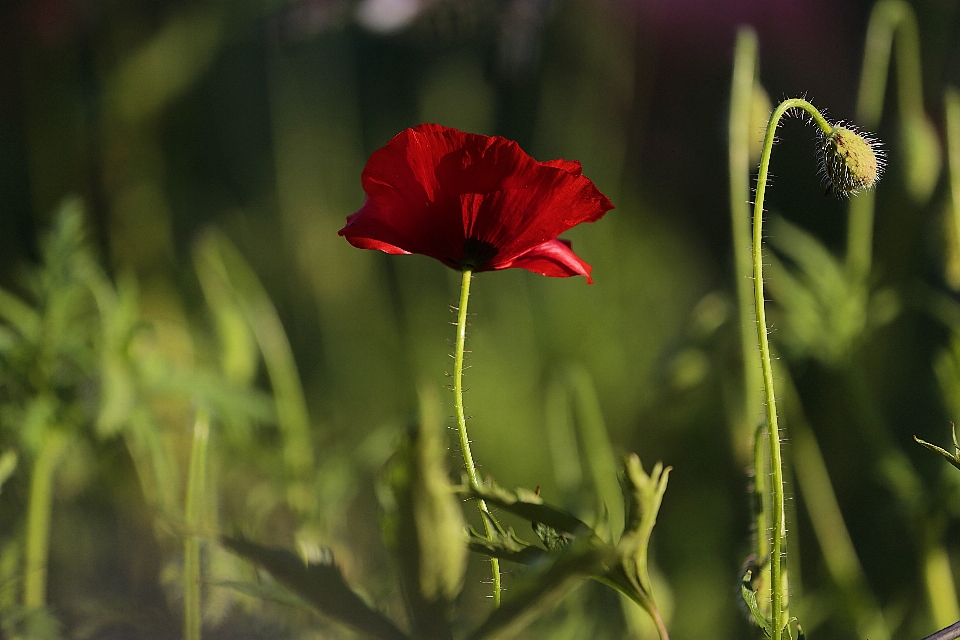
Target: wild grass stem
193	519
39	508
738	133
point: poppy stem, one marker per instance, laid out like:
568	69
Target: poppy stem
777	609
462	423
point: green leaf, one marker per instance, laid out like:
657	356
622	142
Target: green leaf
8	464
952	458
426	522
529	506
643	495
552	539
504	543
320	584
535	593
750	599
19	315
261	315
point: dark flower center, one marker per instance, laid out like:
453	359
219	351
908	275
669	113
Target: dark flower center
476	254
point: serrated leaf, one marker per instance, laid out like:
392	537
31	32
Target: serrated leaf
528	506
319	584
750	599
504	544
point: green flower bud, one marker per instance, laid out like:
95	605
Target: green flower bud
849	161
921	147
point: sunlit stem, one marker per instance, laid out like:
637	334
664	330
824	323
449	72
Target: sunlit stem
941	590
462	421
952	113
773	431
739	134
38	518
193	516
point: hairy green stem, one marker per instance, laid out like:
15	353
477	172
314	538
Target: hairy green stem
776	463
193	517
39	510
738	138
462	421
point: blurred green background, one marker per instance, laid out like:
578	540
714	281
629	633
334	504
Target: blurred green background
185	127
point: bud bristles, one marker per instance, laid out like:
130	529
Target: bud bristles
850	161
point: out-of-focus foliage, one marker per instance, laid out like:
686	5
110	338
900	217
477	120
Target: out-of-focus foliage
216	150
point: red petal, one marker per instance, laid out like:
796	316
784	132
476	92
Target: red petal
550	202
552	258
570	166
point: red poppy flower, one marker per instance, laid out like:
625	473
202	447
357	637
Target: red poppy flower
473	202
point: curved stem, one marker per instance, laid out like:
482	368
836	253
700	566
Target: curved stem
462	421
776	464
890	19
738	135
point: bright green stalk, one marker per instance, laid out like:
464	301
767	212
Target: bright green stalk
462	421
938	575
776	462
762	496
193	517
738	138
941	589
38	518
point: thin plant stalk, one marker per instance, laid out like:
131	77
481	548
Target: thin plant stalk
952	116
39	510
888	19
462	421
193	517
738	132
776	460
597	449
941	590
761	496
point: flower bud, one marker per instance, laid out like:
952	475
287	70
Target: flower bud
921	147
849	161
